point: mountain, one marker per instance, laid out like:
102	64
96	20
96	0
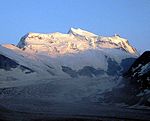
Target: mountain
46	73
139	72
77	54
79	67
75	41
138	79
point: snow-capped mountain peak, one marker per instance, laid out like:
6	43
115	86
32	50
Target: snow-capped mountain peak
80	32
75	41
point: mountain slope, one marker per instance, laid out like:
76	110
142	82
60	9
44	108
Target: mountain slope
139	72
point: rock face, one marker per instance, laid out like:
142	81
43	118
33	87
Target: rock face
139	72
8	64
86	71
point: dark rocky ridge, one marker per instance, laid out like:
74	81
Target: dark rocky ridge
113	69
8	64
139	72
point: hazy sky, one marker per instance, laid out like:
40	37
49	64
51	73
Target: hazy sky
129	18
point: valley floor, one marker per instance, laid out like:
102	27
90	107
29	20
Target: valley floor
37	110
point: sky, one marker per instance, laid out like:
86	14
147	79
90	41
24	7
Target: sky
128	18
